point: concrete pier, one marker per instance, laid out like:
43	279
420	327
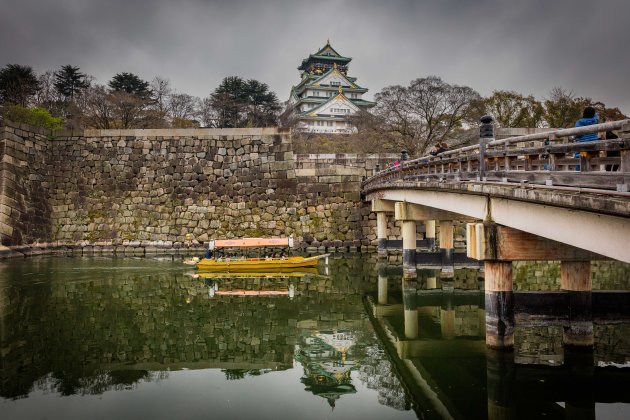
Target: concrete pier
409	248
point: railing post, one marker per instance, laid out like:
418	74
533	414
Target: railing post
486	133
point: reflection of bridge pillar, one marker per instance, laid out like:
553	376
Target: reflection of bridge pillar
432	282
410	305
500	385
381	233
499	304
382	289
429	233
446	242
582	367
447	317
409	248
575	280
481	314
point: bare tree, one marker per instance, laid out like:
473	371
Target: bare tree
99	111
182	107
127	108
511	109
161	88
427	112
206	113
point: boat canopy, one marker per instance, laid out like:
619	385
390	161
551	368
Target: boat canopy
251	243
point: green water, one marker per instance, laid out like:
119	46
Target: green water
145	338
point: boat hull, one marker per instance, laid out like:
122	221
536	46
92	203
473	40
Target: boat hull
259	264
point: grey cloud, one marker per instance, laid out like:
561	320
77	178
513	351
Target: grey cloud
527	46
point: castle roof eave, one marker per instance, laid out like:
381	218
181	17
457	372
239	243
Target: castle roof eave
344	60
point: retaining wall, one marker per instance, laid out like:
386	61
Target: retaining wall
175	187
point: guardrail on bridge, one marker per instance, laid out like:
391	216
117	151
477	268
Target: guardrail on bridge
550	158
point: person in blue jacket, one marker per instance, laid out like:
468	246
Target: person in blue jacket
589	117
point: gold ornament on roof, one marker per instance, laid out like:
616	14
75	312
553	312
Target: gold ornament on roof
340	89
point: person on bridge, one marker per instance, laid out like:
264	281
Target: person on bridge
589	117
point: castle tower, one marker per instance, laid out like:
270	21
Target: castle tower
326	96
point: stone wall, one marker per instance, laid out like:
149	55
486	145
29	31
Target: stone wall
25	214
169	187
545	275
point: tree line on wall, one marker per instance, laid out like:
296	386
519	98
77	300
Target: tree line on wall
72	99
415	117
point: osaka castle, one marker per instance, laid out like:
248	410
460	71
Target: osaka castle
326	96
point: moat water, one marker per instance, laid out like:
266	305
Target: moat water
102	338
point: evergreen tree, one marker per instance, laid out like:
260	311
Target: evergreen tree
130	83
17	84
263	106
240	103
69	80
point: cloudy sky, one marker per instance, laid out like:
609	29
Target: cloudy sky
529	46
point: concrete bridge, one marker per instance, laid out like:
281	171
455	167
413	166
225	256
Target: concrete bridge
537	197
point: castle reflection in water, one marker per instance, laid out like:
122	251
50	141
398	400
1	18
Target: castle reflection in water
87	326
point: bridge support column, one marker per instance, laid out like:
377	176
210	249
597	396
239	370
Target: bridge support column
381	233
381	208
499	305
409	248
446	242
575	280
429	233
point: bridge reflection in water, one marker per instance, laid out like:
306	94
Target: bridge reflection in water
434	330
93	327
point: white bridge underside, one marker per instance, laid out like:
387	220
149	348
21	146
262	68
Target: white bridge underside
599	233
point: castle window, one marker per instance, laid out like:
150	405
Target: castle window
334	83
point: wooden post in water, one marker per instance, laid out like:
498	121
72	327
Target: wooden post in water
498	246
575	280
499	305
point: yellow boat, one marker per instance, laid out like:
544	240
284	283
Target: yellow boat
231	264
258	264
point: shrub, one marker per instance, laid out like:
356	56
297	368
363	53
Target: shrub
37	116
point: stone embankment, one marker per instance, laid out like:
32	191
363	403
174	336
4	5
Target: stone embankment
140	191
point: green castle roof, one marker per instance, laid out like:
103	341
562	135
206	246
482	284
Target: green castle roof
327	52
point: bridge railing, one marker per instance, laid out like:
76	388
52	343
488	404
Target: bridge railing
550	158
